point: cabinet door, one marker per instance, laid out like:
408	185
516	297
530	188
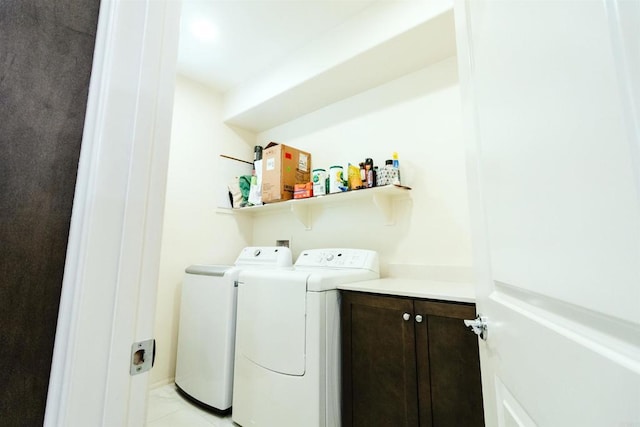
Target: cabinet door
378	361
448	352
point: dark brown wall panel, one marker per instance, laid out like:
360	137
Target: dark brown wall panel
46	50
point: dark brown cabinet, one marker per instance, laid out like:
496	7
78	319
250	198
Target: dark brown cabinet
408	362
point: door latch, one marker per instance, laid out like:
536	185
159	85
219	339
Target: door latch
478	326
143	354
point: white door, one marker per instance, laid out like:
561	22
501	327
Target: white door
550	97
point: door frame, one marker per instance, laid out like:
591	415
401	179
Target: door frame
109	287
480	243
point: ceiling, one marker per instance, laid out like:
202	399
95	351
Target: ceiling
225	42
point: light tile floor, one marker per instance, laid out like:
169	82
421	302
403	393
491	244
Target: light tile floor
166	408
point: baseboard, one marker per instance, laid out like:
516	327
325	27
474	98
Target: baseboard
161	383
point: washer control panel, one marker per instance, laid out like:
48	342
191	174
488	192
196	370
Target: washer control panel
339	258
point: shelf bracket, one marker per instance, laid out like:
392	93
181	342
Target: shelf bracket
302	214
383	203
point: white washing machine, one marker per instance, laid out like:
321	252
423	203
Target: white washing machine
206	337
287	364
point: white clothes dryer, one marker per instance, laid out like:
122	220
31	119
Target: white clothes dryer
287	364
206	336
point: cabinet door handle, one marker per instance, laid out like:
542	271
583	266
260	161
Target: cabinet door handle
418	318
406	316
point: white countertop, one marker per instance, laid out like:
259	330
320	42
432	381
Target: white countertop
418	288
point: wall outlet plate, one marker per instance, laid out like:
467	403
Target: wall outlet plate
284	243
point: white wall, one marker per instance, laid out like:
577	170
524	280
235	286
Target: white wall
193	233
419	117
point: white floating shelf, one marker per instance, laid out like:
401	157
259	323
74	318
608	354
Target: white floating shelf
382	198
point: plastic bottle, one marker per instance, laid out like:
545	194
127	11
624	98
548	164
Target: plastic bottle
255	190
368	166
386	173
257	153
336	180
396	166
319	180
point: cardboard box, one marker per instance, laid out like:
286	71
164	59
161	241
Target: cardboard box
282	168
303	191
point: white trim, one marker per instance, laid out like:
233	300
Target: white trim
480	243
108	292
70	297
